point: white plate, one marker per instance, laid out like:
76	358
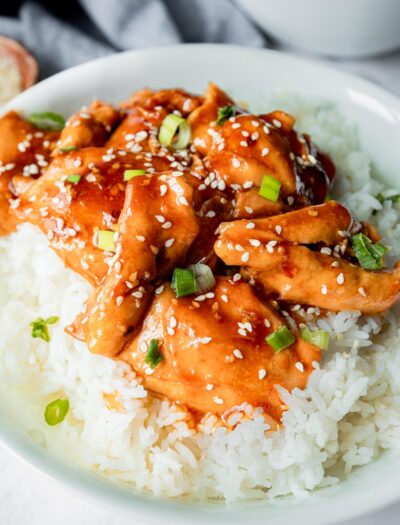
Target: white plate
251	75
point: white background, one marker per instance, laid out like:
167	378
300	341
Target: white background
27	497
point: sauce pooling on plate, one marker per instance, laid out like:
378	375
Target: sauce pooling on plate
204	230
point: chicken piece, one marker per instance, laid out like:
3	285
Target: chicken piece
301	276
155	230
269	252
215	356
203	119
145	113
91	126
71	214
249	204
24	151
328	223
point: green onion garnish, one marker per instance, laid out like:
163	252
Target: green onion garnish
40	327
204	277
56	411
270	188
129	174
183	282
68	148
167	134
369	255
47	121
105	240
280	339
393	198
74	178
153	355
318	338
225	113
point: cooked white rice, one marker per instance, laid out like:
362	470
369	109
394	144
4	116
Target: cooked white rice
347	415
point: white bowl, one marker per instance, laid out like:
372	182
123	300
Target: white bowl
341	28
253	75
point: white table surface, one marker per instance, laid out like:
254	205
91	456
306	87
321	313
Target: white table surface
27	497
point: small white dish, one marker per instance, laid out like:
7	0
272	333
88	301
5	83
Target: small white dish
338	28
251	75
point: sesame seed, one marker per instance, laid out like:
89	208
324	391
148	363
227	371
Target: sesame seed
163	189
264	152
209	387
236	162
250	225
172	321
290	200
340	278
236	125
218	401
160	218
299	366
182	200
140	238
335	264
242	332
248	209
236	277
267	323
255	242
224	297
255	123
326	251
362	292
278	229
119	300
138	294
277	123
262	373
324	289
167	225
245	257
237	353
159	290
248	184
210	214
243	143
206	340
170	330
169	243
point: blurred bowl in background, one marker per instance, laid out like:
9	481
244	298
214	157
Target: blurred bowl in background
337	28
18	69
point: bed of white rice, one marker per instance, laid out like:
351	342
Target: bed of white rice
347	415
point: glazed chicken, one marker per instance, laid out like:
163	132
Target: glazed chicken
199	226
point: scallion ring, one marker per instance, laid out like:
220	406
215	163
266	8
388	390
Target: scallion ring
171	125
48	121
56	411
105	240
369	255
74	179
280	339
129	174
205	280
183	282
318	338
153	355
270	188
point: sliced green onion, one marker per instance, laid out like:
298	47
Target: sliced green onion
40	327
169	127
74	178
129	174
68	148
369	255
318	338
183	282
280	339
153	355
393	198
47	121
225	113
56	411
270	188
105	240
205	280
